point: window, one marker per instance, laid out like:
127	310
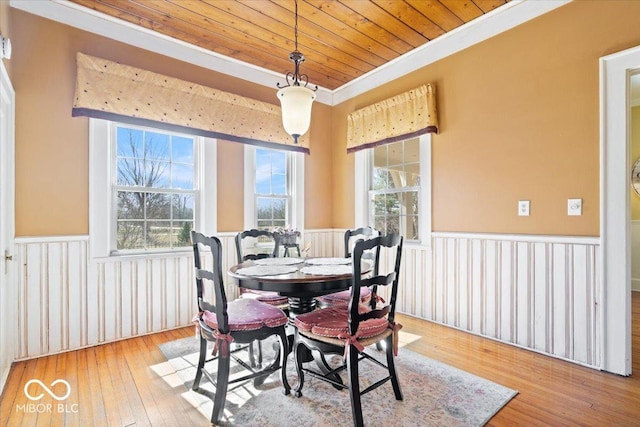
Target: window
271	189
393	188
148	189
274	188
155	190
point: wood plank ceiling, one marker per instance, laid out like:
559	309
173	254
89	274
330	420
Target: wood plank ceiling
341	39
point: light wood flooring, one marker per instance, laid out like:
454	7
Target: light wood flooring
113	385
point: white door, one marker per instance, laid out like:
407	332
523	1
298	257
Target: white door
8	297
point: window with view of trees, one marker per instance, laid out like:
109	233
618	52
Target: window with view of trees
395	188
155	189
271	188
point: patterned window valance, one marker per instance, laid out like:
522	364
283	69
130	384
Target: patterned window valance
112	91
403	116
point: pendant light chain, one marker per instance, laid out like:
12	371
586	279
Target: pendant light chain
295	28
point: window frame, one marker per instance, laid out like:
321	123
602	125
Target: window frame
363	183
295	188
103	190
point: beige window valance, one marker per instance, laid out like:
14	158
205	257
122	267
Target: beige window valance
400	117
112	91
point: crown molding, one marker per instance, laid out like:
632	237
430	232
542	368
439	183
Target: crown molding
502	19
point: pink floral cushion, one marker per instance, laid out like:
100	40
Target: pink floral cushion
248	315
271	298
344	296
332	322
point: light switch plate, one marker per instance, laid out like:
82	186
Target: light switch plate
574	207
523	207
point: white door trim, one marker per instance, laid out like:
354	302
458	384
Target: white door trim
615	218
8	298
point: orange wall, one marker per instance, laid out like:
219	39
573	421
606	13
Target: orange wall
52	171
519	119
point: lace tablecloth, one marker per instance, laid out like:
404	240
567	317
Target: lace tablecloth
267	270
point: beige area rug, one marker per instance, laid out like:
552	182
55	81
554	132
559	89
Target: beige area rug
435	394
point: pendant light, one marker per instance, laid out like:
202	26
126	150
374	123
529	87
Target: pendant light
296	98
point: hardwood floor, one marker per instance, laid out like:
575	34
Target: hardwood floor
113	384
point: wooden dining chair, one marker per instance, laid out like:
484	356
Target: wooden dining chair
240	321
350	237
272	298
349	330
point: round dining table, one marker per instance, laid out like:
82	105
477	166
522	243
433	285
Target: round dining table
300	288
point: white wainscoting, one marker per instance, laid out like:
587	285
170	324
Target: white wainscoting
539	293
67	300
536	292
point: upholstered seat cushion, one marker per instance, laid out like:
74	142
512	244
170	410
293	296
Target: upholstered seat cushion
271	298
248	315
343	297
332	322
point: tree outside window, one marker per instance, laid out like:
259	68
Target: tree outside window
395	188
271	189
155	189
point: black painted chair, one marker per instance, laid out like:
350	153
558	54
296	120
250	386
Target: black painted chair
350	237
272	298
241	321
349	330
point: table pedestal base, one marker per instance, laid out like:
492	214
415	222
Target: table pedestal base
298	305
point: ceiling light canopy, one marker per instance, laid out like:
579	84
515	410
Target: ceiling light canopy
296	98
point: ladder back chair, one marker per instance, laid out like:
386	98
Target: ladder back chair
222	322
350	237
272	298
349	330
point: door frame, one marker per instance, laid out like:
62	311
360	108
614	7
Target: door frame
615	216
8	297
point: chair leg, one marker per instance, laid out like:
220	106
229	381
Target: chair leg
259	354
255	360
354	386
222	381
299	359
284	351
392	368
201	360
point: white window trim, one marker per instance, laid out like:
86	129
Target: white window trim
295	182
363	161
101	179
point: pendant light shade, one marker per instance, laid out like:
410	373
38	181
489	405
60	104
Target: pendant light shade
296	104
296	98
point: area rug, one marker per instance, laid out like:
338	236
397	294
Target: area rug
435	394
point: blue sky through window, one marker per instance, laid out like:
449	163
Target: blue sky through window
271	172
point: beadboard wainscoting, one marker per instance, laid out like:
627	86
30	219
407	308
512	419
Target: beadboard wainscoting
68	300
536	292
539	293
